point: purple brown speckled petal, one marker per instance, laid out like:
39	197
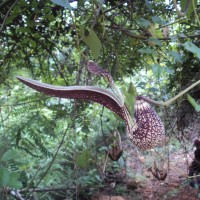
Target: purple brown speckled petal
91	93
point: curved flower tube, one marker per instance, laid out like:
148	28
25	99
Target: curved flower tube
145	130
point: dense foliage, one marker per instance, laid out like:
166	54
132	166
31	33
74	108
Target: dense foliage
50	143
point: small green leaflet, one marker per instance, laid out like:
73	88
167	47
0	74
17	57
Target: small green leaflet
91	40
193	103
63	3
193	48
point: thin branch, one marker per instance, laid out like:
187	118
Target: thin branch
16	194
142	37
116	6
4	21
104	165
166	103
130	34
53	189
174	22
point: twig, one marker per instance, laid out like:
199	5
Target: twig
174	22
166	103
7	15
104	165
16	194
53	189
116	6
142	37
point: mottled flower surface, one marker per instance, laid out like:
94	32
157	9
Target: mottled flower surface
148	130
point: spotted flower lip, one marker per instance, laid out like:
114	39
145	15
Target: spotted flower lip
150	129
145	130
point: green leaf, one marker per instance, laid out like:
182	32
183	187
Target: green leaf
63	3
146	50
4	176
50	17
24	29
33	43
176	56
158	20
13	180
193	48
157	70
85	129
83	159
91	40
16	9
193	103
143	22
155	41
153	89
168	70
141	84
148	5
10	155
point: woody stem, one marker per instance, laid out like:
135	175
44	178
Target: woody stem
166	103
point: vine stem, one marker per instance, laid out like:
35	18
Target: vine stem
167	103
